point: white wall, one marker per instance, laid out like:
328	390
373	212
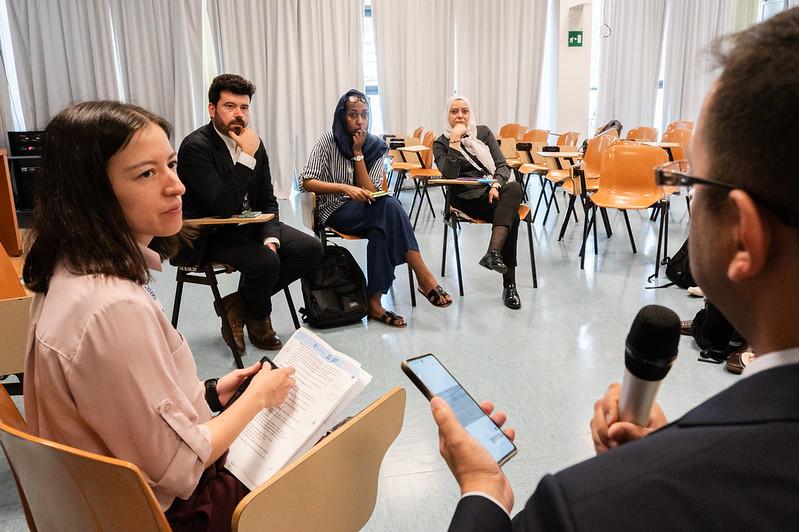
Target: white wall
574	71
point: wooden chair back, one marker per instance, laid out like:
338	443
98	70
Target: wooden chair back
9	228
332	487
63	488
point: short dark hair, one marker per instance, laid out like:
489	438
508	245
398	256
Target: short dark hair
77	218
751	129
232	83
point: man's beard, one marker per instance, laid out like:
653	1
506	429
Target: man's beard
235	125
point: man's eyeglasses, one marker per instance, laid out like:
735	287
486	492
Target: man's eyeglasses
677	173
354	98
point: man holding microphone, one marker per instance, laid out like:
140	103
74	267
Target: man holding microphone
732	463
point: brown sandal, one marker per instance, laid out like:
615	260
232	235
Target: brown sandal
437	296
391	319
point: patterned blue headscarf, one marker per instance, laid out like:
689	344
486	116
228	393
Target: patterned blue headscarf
373	148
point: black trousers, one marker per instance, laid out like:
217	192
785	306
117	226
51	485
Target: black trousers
263	272
504	211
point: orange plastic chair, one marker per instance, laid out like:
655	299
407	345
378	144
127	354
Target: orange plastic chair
569	138
643	133
627	183
417	133
63	488
680	124
591	169
536	135
680	136
512	130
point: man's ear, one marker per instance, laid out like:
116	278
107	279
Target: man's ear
753	234
211	110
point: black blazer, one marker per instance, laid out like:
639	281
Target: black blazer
216	187
732	463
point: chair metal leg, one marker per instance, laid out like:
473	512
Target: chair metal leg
566	218
458	260
429	201
604	212
292	310
415	194
540	196
629	230
413	288
586	234
444	251
532	253
178	297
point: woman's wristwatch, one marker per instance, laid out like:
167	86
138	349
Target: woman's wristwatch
496	185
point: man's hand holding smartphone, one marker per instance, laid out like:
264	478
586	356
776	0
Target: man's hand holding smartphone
471	464
471	438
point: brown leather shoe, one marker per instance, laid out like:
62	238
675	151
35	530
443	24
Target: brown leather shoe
262	335
234	309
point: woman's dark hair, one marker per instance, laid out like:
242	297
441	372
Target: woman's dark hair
231	83
76	216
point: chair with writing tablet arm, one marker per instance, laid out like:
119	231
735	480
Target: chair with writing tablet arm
333	486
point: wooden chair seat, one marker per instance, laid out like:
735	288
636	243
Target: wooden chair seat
404	166
425	173
530	168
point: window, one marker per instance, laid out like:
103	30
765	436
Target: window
7	55
370	70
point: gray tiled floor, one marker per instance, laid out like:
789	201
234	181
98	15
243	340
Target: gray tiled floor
545	364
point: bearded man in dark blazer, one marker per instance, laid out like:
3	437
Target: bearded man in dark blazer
226	171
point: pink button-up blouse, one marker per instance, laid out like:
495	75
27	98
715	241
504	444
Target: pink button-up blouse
106	372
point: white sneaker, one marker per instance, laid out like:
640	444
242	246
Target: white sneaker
695	291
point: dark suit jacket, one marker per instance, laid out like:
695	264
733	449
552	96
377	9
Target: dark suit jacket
732	463
216	187
452	164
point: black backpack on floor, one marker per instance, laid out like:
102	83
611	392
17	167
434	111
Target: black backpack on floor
678	269
334	292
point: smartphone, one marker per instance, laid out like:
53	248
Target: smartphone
243	386
432	378
250	214
379	193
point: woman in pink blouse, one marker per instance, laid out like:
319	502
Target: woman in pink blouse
105	371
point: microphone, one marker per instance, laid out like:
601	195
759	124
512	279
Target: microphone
651	348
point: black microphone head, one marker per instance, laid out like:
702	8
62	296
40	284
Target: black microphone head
652	342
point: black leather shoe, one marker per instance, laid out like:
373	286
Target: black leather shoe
687	327
493	261
510	296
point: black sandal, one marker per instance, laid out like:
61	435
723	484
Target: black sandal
437	296
391	319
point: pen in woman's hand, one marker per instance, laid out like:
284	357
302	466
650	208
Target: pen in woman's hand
243	386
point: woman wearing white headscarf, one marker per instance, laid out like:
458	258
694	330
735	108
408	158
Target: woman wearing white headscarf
468	150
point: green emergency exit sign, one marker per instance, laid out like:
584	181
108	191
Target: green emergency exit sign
575	39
